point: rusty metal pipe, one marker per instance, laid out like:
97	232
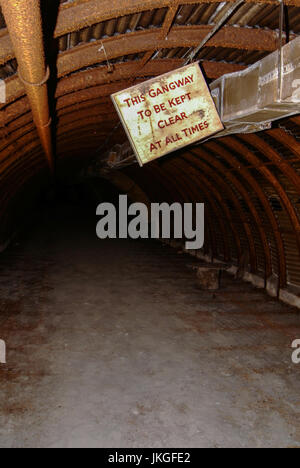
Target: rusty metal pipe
24	22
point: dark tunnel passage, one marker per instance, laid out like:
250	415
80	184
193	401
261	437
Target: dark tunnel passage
145	343
97	331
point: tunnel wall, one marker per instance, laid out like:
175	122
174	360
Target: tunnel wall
250	183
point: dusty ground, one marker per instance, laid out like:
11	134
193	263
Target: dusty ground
111	345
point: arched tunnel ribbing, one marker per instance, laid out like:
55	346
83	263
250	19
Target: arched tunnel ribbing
249	183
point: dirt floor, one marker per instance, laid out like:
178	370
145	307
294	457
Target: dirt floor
110	344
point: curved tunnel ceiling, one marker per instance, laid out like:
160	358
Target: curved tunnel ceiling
250	183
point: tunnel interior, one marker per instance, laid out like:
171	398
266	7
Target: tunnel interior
115	334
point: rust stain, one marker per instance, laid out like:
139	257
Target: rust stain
169	106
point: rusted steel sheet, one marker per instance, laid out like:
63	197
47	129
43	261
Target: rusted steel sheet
167	113
287	140
92	121
22	106
21	150
239	187
213	165
14	148
167	189
216	69
77	112
165	29
188	192
77	16
222	152
23	18
273	180
94	77
91	94
258	190
217	183
210	192
179	36
27	151
215	189
272	154
78	116
16	134
74	17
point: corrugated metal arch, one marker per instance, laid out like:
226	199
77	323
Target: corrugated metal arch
85	117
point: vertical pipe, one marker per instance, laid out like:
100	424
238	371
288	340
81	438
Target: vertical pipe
24	22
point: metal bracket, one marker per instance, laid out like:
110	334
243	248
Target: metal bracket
41	83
